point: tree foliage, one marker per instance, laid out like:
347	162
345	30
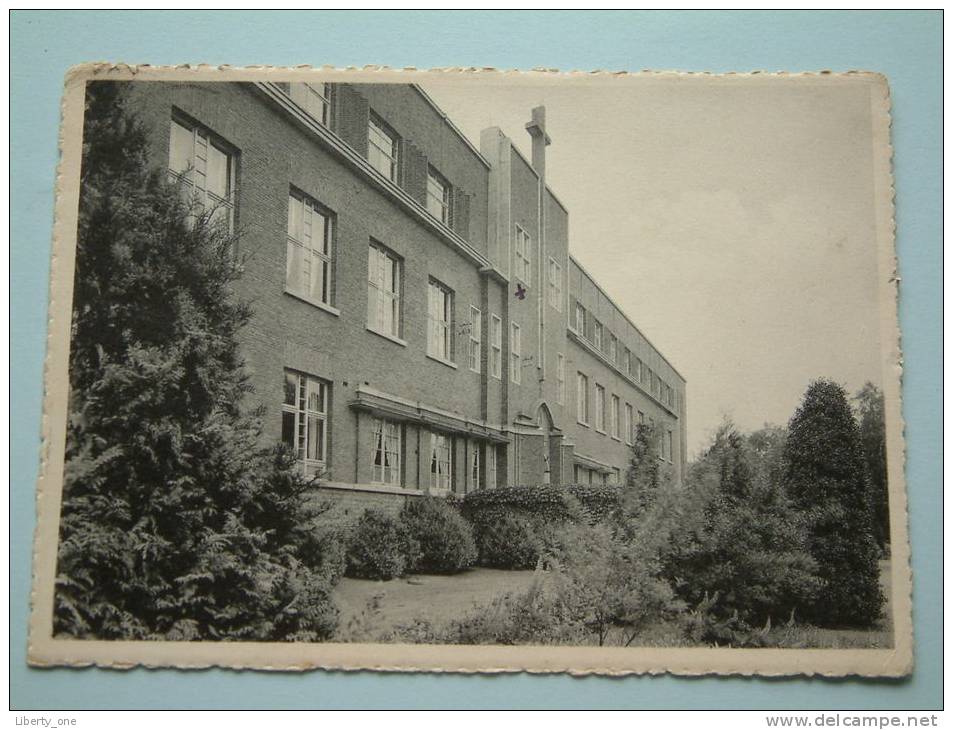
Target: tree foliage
175	522
825	476
873	438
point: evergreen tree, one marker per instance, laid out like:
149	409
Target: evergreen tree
175	523
644	476
826	478
873	437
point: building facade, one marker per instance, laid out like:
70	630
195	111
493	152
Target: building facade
419	324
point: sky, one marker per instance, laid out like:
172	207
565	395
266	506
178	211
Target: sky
733	220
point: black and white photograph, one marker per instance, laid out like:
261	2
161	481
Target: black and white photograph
474	371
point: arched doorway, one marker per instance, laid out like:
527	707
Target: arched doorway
545	422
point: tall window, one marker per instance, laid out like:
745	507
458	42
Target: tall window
560	378
627	361
613	349
473	473
580	319
638	370
641	418
440	322
476	339
670	446
629	425
304	420
516	358
386	452
524	262
315	99
441	461
582	399
491	466
308	272
614	416
205	169
496	346
597	335
383	291
438	196
555	284
600	408
382	148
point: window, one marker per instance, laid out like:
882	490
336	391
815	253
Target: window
600	408
614	416
491	466
386	452
473	474
382	148
315	99
205	169
597	335
627	361
616	476
383	292
555	285
516	360
641	418
476	339
613	349
582	399
496	346
438	196
580	319
308	272
629	425
524	266
304	420
560	379
638	370
440	322
670	446
658	387
578	474
441	461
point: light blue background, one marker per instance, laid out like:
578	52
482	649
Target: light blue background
906	46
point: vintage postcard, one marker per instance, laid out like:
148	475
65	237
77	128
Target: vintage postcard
473	371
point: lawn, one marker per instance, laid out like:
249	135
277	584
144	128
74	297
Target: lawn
371	610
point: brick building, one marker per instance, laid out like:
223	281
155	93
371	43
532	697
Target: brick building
419	325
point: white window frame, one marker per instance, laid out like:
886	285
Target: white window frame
473	466
555	284
316	251
560	379
671	444
380	298
379	137
613	348
600	408
474	353
627	361
441	469
439	321
629	423
315	99
638	369
388	446
579	320
582	398
523	251
438	196
496	346
516	357
305	415
614	415
597	334
193	179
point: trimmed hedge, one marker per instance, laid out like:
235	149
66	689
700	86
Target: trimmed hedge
508	521
445	538
380	547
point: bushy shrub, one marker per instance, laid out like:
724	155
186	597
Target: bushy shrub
600	502
444	537
380	547
508	542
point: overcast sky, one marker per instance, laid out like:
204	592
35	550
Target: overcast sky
733	222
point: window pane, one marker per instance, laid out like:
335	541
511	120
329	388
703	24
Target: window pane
180	148
288	429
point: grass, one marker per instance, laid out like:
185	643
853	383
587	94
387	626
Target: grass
371	611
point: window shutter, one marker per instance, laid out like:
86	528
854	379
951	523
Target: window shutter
351	117
415	172
461	213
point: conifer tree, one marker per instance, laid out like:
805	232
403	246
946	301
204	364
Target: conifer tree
873	437
174	520
825	477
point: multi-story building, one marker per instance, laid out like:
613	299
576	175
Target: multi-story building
419	324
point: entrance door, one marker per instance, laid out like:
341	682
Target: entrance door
546	426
